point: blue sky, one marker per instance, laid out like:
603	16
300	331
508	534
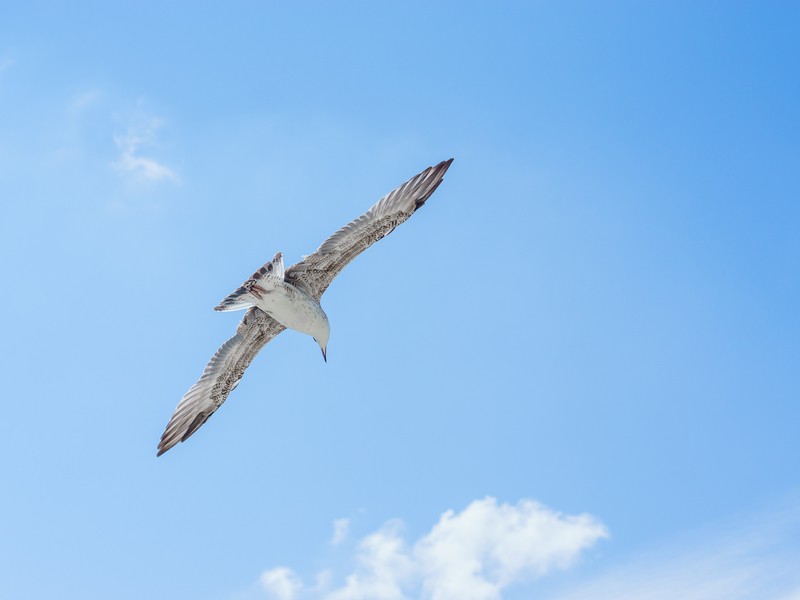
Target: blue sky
572	375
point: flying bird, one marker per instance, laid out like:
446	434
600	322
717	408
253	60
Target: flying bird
276	299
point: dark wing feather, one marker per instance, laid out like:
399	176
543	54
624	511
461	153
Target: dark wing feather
316	271
221	375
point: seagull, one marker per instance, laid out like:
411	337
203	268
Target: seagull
276	299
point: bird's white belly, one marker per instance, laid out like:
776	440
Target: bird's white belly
292	308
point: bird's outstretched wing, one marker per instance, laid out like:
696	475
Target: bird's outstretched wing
315	272
221	375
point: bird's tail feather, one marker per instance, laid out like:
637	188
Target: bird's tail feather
238	300
259	283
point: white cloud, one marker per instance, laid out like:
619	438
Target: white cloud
384	567
475	554
341	528
281	583
471	555
131	162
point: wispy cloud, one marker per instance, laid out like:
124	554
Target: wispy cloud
385	567
746	560
471	555
281	583
83	100
341	528
131	162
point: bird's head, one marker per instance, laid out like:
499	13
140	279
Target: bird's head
321	337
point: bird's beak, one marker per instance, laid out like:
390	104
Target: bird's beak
324	355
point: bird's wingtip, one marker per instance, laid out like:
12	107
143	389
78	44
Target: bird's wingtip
442	167
445	164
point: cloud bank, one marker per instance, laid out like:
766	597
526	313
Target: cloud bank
471	555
